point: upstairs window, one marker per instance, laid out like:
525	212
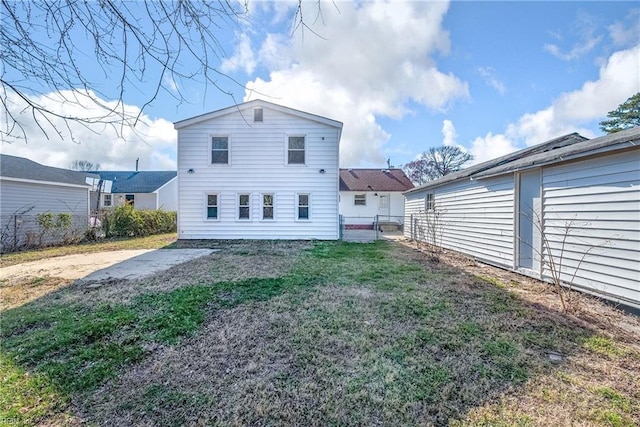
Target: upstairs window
244	206
303	206
267	206
257	115
220	150
360	199
212	206
295	154
429	202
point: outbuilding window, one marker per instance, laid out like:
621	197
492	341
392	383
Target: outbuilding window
107	200
429	204
360	199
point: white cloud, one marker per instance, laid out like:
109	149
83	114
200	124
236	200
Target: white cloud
449	133
584	29
619	78
490	147
364	65
625	34
153	141
488	74
243	57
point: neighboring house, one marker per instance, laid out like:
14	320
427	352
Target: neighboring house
143	190
258	170
372	195
28	188
516	210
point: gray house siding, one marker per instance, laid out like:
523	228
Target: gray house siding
23	201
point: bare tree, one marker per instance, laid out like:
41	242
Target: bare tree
85	165
72	51
436	163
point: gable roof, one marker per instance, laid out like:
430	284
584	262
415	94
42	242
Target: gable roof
558	150
374	180
21	168
137	182
250	105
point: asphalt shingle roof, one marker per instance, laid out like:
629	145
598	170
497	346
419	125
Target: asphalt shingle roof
374	180
137	182
21	168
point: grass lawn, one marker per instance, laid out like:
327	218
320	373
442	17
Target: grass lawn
325	333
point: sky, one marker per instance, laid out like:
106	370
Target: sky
491	77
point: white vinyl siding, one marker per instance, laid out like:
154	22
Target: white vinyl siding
257	166
472	217
365	215
596	205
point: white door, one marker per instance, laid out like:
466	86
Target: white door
529	221
383	206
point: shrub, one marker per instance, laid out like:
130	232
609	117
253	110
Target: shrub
125	221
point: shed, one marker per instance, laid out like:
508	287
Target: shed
569	203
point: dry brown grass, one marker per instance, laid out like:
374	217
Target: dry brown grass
383	334
16	292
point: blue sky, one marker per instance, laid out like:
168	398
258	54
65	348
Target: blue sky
489	76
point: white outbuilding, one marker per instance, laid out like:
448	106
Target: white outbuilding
570	203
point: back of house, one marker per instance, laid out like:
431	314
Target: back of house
258	170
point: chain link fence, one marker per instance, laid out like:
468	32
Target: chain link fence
369	228
19	232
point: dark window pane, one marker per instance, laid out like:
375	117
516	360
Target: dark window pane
243	213
267	200
303	200
296	157
303	213
212	199
267	213
221	157
212	212
219	143
296	143
244	200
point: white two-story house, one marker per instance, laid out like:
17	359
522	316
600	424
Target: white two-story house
258	170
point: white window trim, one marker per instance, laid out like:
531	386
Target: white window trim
286	150
237	202
206	206
262	218
296	201
210	150
104	196
360	194
432	203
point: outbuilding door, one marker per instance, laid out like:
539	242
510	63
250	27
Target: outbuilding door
529	221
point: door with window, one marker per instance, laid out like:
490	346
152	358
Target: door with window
529	242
